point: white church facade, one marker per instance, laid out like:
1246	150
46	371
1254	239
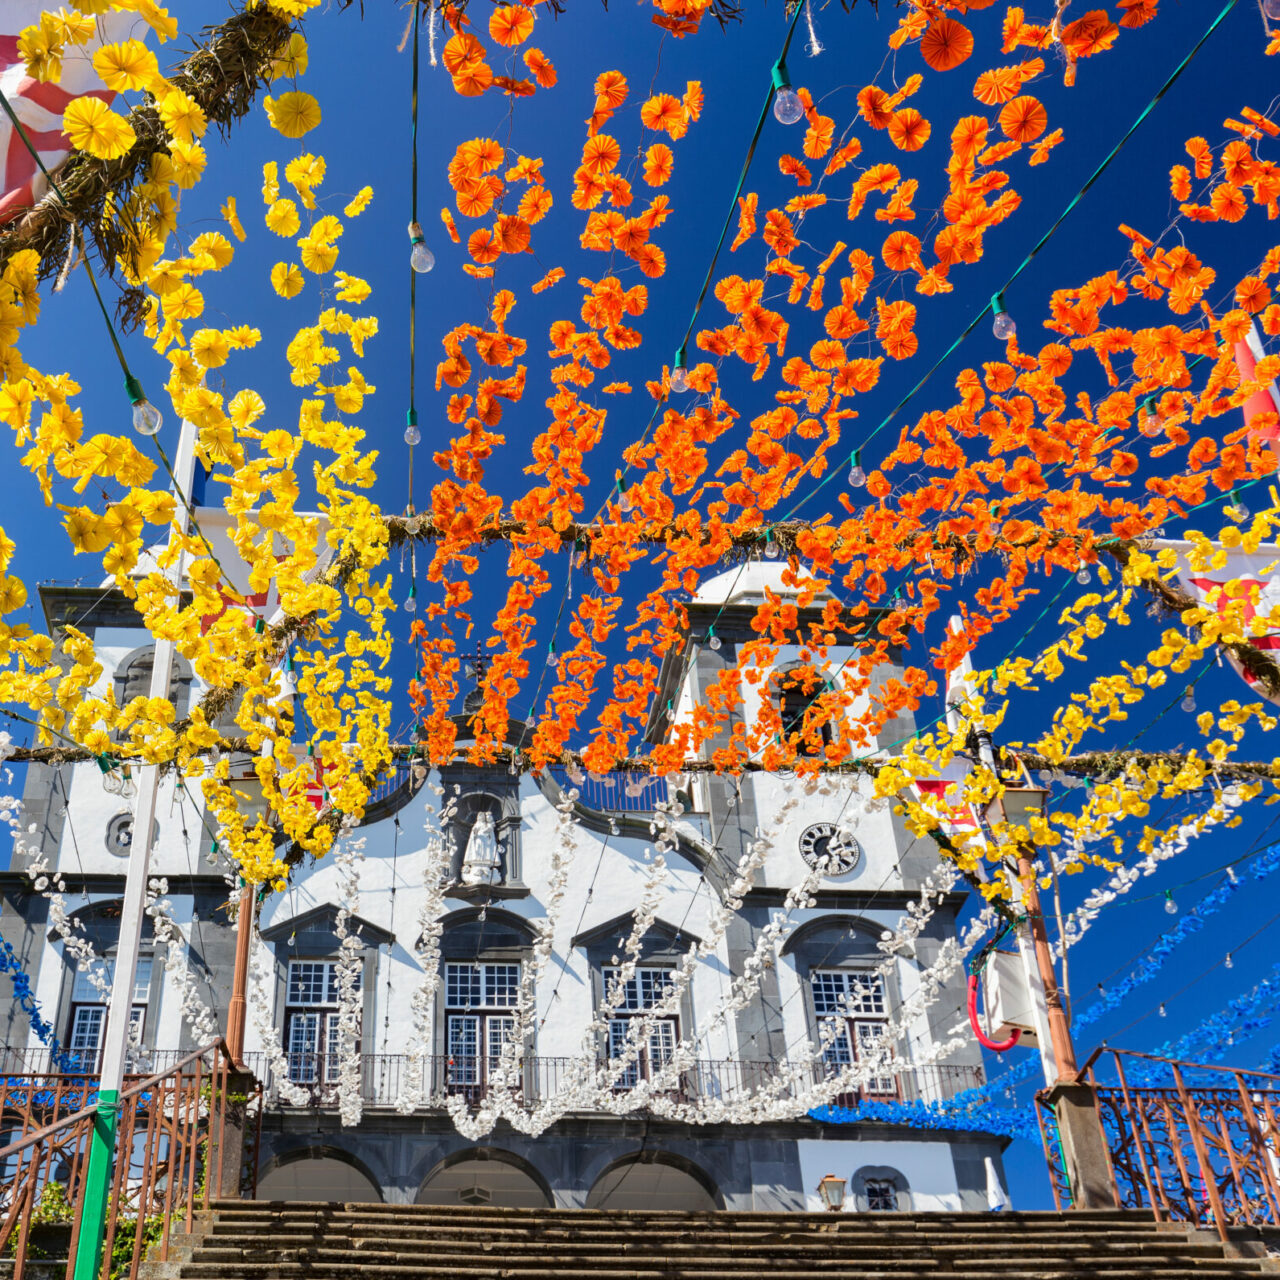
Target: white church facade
824	990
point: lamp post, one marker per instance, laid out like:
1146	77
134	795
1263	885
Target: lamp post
1018	805
1084	1150
831	1189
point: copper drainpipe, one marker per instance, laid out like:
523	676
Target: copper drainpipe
1064	1054
237	1009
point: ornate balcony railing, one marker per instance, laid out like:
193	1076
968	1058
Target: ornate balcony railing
621	792
387	1077
1192	1143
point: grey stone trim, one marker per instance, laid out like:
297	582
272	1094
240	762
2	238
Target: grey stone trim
749	1166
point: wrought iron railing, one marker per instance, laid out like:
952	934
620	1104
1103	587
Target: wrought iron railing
386	1078
181	1140
1191	1142
625	791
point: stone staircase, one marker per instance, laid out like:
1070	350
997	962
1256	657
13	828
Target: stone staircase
256	1240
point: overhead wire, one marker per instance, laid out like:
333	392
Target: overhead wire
1040	244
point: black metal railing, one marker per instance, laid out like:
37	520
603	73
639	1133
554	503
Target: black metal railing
385	1078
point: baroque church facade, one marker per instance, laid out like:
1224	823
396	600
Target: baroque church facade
824	991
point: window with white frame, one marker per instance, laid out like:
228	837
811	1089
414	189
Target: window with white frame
638	997
852	1011
478	1001
89	1009
312	1035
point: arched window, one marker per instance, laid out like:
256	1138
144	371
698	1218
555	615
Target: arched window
848	1001
796	690
133	679
880	1189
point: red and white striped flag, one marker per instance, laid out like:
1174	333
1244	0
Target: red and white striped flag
1251	578
39	106
1262	409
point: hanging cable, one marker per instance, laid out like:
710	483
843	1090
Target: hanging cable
421	259
996	306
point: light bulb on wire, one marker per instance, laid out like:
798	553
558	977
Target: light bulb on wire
713	640
1149	418
679	374
1083	576
146	417
624	498
1002	325
1171	907
771	549
411	602
288	682
1163	1012
787	107
857	477
1235	509
421	259
551	654
1228	963
1271	10
1188	703
412	433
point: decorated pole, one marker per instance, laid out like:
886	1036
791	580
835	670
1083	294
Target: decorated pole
1075	1106
116	1035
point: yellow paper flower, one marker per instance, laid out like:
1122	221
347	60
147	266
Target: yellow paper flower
210	347
233	221
247	407
317	256
292	62
189	160
270	182
359	203
216	245
158	19
353	288
293	114
186	302
84	529
182	116
127	65
282	218
93	127
286	279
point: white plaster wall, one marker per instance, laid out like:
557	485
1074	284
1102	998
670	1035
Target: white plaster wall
927	1167
877	869
606	881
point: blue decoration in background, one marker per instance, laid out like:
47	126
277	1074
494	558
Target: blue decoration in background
22	993
1242	1018
1013	1122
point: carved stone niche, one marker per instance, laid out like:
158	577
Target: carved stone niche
485	860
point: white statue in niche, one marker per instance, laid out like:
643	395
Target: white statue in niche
482	863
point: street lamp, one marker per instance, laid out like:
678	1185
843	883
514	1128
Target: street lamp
831	1189
1018	805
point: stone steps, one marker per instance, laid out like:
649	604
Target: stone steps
276	1241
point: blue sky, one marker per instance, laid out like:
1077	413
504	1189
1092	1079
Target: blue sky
362	82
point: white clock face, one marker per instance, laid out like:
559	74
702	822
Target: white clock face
826	846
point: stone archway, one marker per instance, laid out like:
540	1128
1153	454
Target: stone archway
654	1180
485	1176
318	1173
